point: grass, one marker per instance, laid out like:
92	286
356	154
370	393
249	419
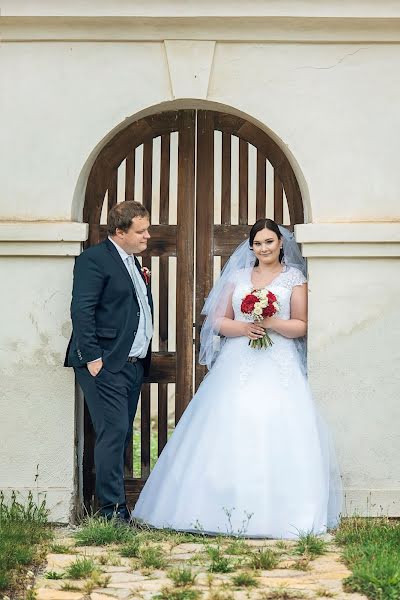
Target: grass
98	531
81	568
180	594
310	545
131	549
62	549
53	575
220	595
244	579
24	531
370	548
264	559
152	557
282	593
219	563
182	576
237	547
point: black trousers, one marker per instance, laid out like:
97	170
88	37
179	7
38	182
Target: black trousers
112	400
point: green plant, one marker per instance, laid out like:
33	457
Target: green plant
282	593
182	576
180	594
53	575
61	549
371	551
23	533
219	563
220	595
263	558
310	544
99	531
237	548
245	579
31	594
152	557
131	549
70	587
109	559
282	545
81	568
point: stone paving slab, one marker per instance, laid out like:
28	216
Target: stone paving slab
127	581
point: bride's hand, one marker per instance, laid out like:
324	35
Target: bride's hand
253	331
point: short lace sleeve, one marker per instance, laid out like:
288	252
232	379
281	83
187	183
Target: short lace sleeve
295	277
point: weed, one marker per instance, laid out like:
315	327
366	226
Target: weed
220	595
81	568
69	587
131	549
152	557
282	593
53	575
282	545
219	563
99	531
245	579
182	576
371	552
310	544
263	558
61	549
180	594
109	559
237	547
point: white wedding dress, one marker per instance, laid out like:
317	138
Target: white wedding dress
249	443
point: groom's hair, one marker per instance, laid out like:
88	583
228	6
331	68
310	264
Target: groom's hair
121	215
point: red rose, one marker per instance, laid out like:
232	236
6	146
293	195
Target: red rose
248	303
269	311
271	297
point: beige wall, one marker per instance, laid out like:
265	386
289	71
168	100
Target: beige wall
72	82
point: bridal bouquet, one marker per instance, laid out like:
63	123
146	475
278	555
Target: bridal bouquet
260	304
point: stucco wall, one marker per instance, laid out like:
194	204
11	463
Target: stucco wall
331	106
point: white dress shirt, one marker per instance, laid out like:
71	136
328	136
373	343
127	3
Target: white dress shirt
141	342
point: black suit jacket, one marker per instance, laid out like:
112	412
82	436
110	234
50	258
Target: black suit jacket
104	310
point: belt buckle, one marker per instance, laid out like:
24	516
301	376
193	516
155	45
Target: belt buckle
132	359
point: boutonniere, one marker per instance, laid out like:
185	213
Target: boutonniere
146	274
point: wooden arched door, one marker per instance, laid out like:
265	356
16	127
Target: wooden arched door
205	177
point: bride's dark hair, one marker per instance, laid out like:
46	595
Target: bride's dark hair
259	226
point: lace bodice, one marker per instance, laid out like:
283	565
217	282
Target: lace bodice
281	286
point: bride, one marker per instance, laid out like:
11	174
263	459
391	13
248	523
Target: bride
250	455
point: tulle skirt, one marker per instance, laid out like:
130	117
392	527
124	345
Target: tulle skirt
250	455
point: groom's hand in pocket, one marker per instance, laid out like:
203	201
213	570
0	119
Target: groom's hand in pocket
95	367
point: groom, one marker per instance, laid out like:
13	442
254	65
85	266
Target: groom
109	349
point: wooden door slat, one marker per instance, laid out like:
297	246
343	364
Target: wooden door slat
185	256
278	200
162	416
112	190
204	224
165	177
226	176
130	176
261	189
145	430
243	181
148	175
